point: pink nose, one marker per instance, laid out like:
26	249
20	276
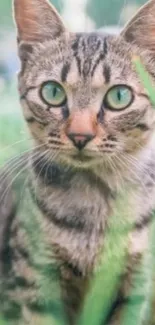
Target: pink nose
80	140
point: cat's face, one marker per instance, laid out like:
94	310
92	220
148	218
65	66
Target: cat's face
80	94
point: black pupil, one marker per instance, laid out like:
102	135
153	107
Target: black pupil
54	92
119	95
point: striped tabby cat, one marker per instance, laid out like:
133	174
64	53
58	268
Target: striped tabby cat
93	130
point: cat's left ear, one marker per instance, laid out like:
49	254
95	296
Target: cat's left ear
37	20
141	29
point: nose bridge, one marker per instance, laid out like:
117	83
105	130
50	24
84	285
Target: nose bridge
82	122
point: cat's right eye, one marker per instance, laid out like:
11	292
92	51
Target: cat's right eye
53	94
119	97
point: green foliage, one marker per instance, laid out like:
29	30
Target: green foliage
14	137
100	11
5	12
108	12
145	78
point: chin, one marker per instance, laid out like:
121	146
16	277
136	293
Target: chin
80	161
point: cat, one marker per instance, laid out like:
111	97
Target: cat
93	129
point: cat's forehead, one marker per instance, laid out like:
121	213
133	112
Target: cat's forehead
88	44
85	58
88	51
96	56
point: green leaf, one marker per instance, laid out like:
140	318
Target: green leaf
145	78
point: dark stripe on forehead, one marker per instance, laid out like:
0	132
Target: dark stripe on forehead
99	59
86	67
75	44
107	73
75	48
105	46
78	60
102	55
83	44
65	71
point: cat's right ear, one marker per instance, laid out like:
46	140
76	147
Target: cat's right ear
37	21
141	29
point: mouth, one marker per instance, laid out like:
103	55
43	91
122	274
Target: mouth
82	157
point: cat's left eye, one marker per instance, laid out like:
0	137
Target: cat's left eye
53	94
119	97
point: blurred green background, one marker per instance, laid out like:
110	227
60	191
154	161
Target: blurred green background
79	15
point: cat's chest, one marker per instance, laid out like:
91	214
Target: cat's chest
80	206
74	219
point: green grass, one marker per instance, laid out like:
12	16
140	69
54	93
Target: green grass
13	132
146	79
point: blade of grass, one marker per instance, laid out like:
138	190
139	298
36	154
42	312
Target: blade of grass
144	77
2	322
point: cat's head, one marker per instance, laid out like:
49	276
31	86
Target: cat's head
80	94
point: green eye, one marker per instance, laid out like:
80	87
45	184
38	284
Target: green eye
119	97
53	94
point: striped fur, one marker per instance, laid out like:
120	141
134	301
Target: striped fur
71	194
